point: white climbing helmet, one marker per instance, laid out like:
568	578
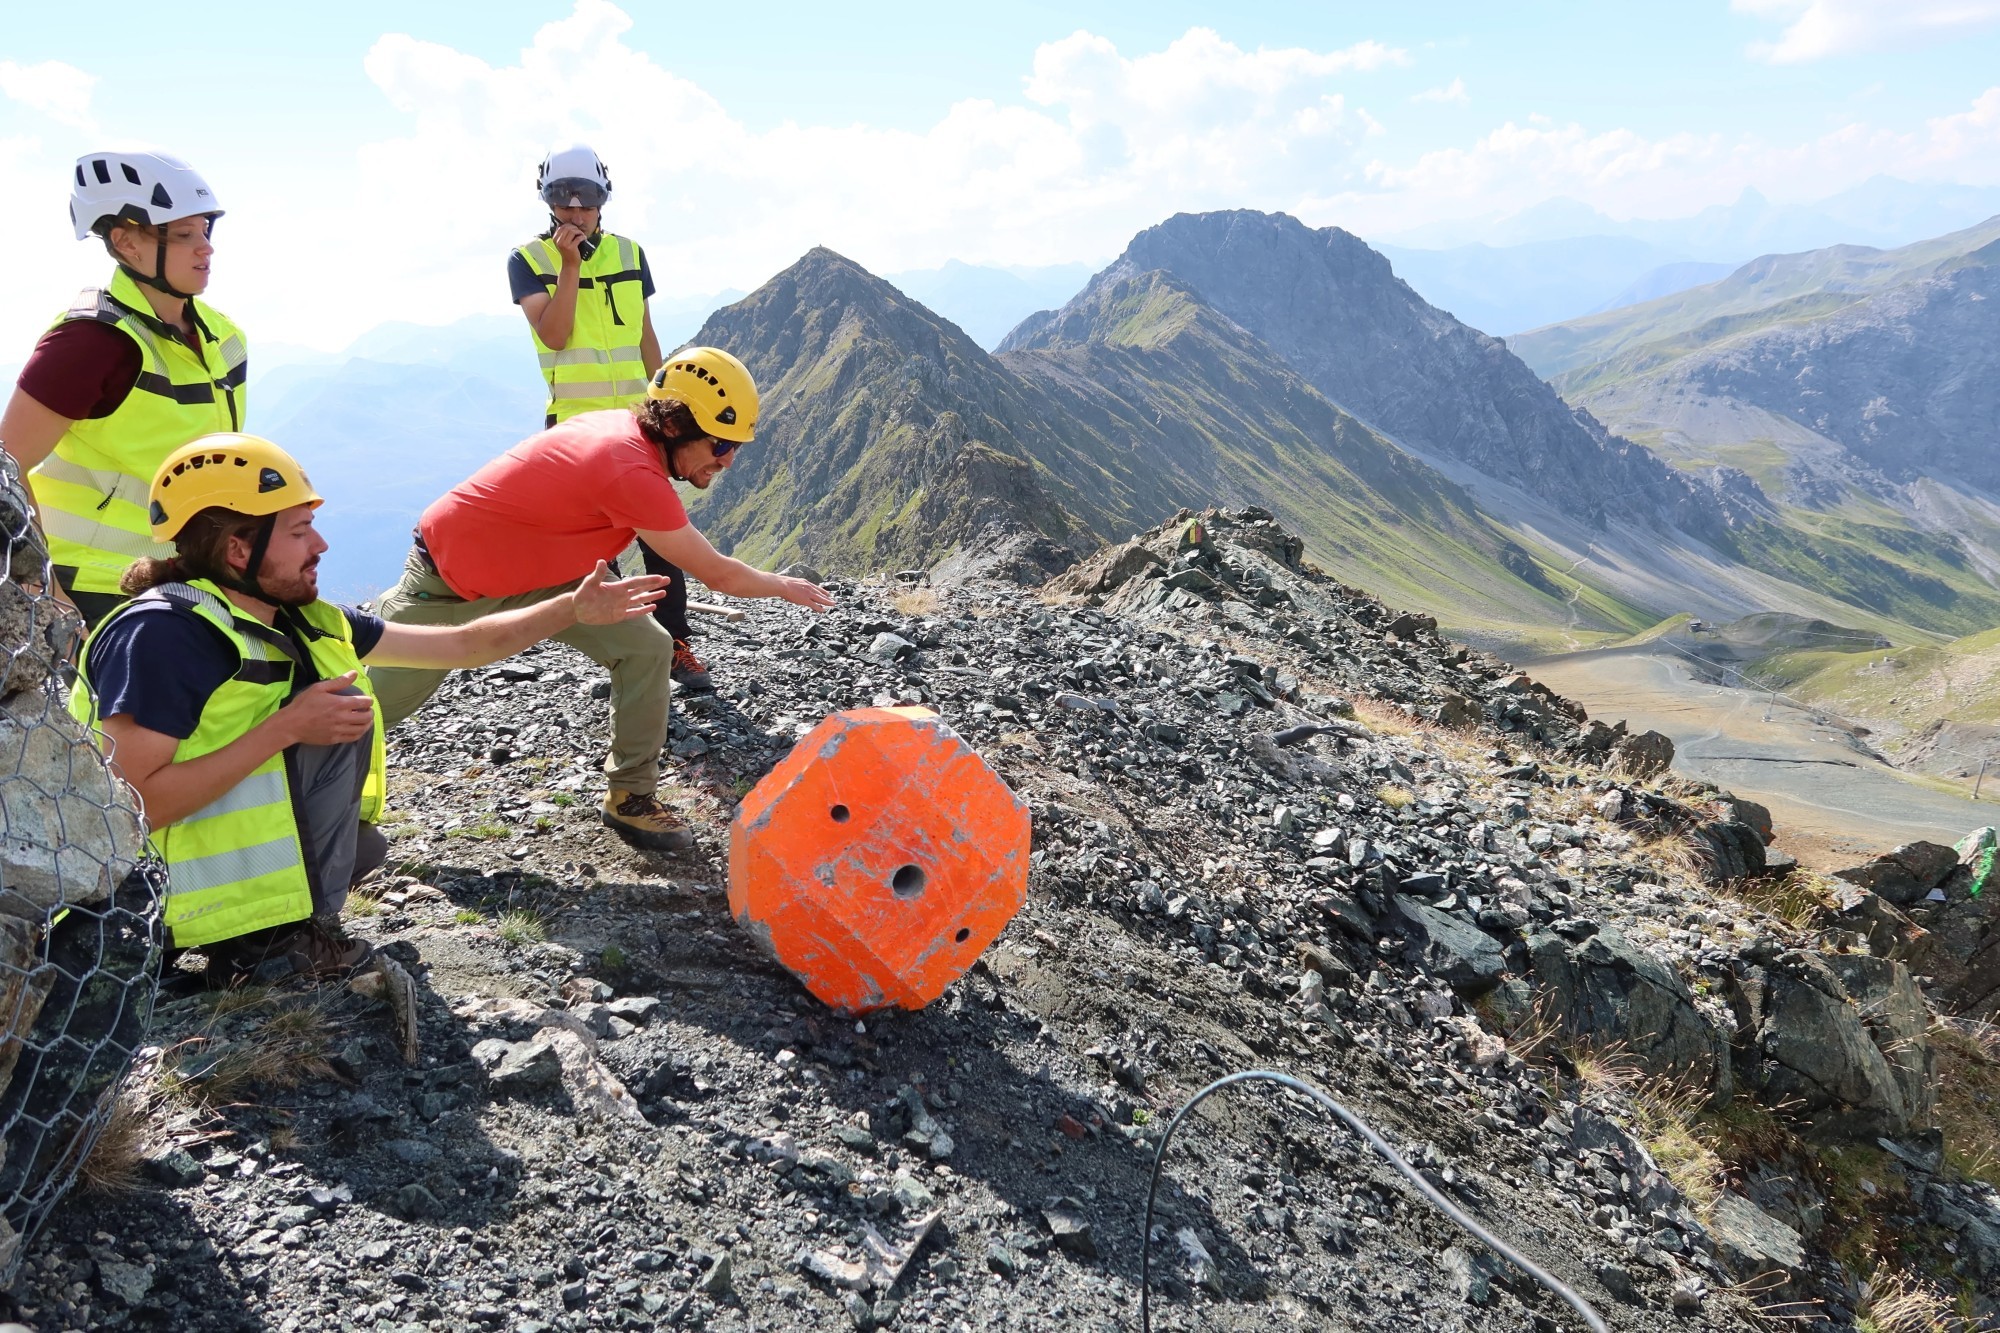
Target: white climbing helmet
148	188
573	177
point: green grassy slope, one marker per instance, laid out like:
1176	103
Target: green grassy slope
888	437
1908	686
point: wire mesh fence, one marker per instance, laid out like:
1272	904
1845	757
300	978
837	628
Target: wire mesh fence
80	938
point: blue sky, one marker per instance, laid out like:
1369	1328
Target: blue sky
376	158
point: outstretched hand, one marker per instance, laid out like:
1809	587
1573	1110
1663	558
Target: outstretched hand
603	600
804	592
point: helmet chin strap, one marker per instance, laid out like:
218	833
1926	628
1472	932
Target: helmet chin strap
157	281
246	582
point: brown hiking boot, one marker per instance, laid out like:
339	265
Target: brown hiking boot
324	951
689	672
642	821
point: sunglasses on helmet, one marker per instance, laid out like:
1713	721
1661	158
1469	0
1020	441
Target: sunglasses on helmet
574	192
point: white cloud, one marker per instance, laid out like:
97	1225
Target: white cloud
1627	174
1102	144
1816	29
60	92
1451	92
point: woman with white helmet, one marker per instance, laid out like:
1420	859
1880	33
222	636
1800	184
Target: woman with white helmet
128	374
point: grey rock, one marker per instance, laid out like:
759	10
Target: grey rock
72	833
890	647
1645	755
1461	955
1844	1036
1608	991
1904	874
1469	1276
130	1283
518	1066
1071	1229
176	1169
1750	1242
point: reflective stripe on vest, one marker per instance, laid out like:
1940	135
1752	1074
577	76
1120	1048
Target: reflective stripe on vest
602	366
93	490
237	864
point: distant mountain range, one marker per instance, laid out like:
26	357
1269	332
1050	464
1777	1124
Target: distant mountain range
1232	357
1240	356
1562	259
1851	382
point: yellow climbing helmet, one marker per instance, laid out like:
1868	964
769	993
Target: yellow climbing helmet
716	387
244	473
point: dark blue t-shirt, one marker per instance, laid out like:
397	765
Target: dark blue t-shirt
159	665
523	283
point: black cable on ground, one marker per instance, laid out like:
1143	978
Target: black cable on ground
1381	1145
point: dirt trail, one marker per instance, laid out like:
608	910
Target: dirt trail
1831	801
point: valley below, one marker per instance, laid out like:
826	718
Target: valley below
1831	800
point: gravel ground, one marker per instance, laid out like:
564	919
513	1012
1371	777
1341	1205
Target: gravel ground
624	1116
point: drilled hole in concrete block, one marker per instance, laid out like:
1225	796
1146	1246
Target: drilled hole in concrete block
964	934
907	882
839	814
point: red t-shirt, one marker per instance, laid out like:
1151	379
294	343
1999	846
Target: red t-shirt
546	511
82	369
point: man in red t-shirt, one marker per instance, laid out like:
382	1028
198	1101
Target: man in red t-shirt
564	499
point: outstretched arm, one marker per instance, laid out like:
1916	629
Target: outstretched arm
686	547
598	600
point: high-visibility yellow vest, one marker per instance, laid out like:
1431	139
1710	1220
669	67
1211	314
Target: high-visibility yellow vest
237	864
93	489
602	367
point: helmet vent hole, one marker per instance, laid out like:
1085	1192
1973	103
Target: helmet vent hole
160	197
839	814
130	174
101	171
907	882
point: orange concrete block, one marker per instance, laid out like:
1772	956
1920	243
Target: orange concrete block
878	859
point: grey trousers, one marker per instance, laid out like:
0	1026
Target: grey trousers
328	805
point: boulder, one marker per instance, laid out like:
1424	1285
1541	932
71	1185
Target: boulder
1607	991
1842	1037
1456	952
1736	810
1108	570
68	830
1905	874
1750	1242
1728	850
1645	755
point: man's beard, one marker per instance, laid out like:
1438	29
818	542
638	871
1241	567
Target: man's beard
301	589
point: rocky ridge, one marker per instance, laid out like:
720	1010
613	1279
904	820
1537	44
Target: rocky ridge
1276	824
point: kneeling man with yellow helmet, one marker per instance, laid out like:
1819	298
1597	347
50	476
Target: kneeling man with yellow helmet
523	527
236	703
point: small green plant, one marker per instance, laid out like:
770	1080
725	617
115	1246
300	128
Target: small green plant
543	823
363	903
613	958
1396	798
485	831
563	799
466	916
519	927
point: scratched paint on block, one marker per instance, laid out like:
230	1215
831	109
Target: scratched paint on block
879	859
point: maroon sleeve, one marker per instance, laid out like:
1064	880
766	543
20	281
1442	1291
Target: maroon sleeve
81	369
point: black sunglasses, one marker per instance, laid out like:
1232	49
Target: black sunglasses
723	448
